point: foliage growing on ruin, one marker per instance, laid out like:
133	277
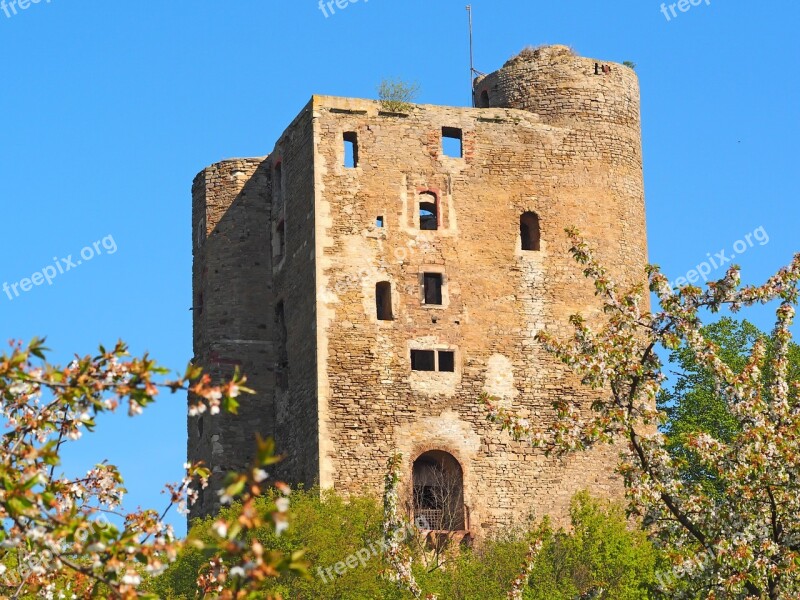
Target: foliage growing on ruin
396	95
748	536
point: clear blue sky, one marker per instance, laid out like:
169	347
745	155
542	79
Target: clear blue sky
108	109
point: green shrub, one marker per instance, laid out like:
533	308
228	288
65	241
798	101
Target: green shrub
328	528
484	572
601	551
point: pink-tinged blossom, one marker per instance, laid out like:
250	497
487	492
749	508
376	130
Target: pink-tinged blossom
55	528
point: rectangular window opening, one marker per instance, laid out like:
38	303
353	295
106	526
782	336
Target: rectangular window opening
383	301
452	142
379	223
432	288
350	149
423	360
447	361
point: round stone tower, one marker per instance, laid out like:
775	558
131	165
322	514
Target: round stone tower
594	109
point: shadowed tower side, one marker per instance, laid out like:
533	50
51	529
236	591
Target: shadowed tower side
232	301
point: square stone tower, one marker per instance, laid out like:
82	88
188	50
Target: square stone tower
378	271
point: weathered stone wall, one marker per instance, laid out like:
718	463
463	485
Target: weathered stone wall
231	287
296	418
341	396
569	171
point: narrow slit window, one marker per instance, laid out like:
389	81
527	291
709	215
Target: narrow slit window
350	149
423	360
282	366
383	301
530	231
447	361
428	212
432	288
452	142
277	184
379	222
279	241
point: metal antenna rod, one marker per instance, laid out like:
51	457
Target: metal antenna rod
472	70
471	58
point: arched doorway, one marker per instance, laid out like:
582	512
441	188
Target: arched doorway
438	492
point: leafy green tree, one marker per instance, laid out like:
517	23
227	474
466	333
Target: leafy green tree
693	405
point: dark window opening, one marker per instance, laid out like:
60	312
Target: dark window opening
350	149
199	427
438	487
530	231
282	366
484	102
379	222
279	243
432	287
452	142
428	212
277	183
423	360
383	301
447	361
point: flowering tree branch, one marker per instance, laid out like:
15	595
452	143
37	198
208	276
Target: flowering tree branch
753	530
54	535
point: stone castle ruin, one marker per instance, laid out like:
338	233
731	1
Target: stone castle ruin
377	272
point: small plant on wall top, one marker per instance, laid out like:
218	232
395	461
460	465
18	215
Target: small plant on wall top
396	95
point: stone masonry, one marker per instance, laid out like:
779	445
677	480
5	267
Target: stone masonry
318	273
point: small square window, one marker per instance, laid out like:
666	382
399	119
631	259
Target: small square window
379	223
452	142
432	288
423	360
447	361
